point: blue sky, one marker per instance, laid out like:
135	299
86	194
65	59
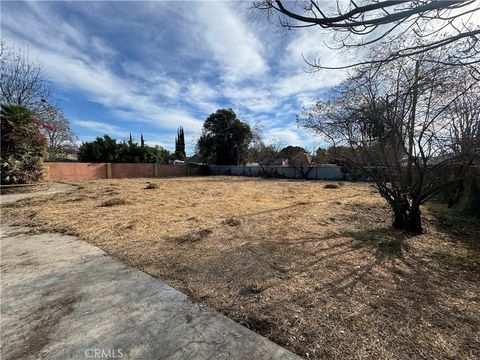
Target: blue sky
149	67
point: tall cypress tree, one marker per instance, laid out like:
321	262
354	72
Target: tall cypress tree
180	144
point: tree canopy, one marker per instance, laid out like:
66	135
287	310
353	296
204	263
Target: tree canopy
225	138
180	144
290	151
106	149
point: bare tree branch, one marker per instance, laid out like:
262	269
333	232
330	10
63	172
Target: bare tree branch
439	23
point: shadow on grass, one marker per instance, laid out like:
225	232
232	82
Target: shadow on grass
387	243
369	280
455	222
460	227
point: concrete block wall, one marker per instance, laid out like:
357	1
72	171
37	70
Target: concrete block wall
89	171
318	172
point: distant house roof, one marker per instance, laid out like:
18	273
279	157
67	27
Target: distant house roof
195	159
280	162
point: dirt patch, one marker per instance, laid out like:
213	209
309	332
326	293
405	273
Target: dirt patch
320	272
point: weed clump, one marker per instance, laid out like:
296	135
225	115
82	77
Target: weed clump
113	202
231	222
251	288
151	186
111	191
331	186
193	237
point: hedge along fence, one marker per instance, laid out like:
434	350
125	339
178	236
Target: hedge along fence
91	171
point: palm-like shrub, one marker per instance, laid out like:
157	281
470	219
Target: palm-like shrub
22	145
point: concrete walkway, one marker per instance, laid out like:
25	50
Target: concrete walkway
62	298
52	189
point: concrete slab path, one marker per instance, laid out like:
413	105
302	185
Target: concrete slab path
52	189
62	298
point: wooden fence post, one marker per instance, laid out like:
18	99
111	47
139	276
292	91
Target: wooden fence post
109	170
155	170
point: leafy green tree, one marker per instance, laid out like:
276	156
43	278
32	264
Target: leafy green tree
180	144
225	138
106	149
290	151
321	156
22	145
103	149
158	155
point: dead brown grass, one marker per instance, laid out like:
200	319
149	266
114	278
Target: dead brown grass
317	270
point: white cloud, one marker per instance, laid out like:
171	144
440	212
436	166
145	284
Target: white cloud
284	135
202	96
100	85
100	127
253	98
222	26
220	59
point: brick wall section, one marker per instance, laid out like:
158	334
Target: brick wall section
88	171
75	171
127	171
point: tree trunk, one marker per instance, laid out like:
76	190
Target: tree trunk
407	218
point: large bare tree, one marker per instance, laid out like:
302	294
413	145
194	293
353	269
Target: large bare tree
464	140
265	155
22	82
399	124
56	128
429	24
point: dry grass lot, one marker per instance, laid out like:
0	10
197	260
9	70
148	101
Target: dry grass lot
317	270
